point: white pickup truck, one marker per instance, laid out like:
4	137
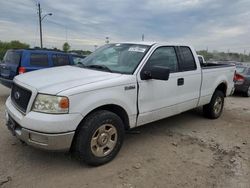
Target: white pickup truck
87	108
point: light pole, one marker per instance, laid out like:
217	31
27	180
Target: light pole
107	40
40	23
142	37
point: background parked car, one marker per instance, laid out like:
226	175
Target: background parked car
20	61
242	80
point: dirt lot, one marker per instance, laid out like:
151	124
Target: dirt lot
183	151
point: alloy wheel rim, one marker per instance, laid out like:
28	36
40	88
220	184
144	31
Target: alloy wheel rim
104	140
218	105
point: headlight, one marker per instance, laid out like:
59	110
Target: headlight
51	104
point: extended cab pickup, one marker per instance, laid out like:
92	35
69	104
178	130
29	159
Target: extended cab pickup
86	108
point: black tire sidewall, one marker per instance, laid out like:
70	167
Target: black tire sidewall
208	109
248	94
90	125
215	96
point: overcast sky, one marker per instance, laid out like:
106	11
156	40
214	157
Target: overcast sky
214	24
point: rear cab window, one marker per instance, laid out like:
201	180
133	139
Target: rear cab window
39	59
201	60
60	59
187	59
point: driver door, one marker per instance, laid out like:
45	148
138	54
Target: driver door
157	98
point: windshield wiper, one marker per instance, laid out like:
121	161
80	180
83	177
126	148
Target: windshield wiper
101	67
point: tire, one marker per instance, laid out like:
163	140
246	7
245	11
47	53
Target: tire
247	93
214	109
99	138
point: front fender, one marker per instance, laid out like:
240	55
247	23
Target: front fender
86	102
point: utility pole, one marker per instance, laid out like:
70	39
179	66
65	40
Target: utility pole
107	40
40	24
142	37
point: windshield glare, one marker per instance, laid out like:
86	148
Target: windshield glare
120	58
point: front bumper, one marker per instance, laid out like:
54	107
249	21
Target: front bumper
45	131
53	142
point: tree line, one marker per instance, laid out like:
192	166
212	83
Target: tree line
215	55
15	44
222	56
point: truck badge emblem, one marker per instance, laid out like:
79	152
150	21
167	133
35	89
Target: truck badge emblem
17	95
129	87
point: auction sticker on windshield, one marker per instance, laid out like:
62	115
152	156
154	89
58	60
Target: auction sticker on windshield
137	49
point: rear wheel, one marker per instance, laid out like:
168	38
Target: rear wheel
247	94
100	138
214	109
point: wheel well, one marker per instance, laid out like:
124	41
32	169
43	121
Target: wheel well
223	88
115	109
118	111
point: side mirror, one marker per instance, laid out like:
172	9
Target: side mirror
156	72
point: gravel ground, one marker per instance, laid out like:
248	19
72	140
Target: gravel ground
186	150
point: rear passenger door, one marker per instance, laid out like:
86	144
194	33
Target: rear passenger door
189	82
37	61
60	60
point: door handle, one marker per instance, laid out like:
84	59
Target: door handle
180	81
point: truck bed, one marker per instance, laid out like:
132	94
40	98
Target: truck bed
216	65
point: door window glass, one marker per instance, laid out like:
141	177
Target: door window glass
164	57
60	60
39	59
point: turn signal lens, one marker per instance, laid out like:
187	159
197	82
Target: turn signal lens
64	103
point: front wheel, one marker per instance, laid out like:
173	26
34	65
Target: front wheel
100	138
214	109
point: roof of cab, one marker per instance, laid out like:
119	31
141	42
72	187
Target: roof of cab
38	50
150	43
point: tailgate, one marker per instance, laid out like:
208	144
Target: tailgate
10	64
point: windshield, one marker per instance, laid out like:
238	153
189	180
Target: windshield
11	57
240	69
120	58
78	59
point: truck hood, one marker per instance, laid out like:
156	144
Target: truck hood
58	79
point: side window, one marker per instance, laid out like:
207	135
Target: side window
165	57
40	59
188	62
248	72
60	60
